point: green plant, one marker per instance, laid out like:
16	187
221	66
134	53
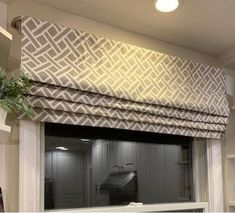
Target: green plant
12	93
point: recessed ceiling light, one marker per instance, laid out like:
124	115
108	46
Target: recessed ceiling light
85	139
166	5
62	148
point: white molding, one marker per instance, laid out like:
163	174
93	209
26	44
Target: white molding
231	157
200	180
229	174
42	163
5	45
215	176
143	208
227	59
29	167
208	173
4	129
4	133
5	34
3	14
3	172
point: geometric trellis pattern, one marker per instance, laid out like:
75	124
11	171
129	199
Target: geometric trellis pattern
93	99
78	76
86	120
121	115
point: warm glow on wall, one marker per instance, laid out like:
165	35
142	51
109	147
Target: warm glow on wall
166	5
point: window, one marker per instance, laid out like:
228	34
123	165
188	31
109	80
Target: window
91	167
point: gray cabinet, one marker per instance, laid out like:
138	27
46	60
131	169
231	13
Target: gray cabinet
110	157
100	171
67	189
122	156
160	176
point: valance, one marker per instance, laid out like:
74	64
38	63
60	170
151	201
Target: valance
85	79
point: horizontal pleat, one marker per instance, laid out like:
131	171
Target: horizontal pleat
65	105
56	116
98	100
124	115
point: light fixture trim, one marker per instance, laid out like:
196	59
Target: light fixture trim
166	6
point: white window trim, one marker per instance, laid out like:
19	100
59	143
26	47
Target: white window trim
31	181
30	166
215	176
200	181
144	208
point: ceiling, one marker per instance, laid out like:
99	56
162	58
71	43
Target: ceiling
203	25
73	144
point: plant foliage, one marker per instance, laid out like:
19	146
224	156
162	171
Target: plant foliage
12	93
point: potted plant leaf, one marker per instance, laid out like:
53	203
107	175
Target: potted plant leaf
12	95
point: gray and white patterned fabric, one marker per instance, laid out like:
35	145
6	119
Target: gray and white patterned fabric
85	79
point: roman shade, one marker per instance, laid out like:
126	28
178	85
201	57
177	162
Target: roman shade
84	79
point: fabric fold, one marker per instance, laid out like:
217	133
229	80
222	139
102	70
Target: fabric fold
59	105
62	117
93	99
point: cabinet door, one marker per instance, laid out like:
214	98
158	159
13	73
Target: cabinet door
149	170
172	173
128	156
159	175
122	156
114	156
68	191
100	171
48	165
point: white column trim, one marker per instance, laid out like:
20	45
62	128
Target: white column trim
215	176
42	160
200	180
3	173
29	167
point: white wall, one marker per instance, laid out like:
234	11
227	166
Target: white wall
9	180
228	144
12	176
27	8
230	134
3	23
3	15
